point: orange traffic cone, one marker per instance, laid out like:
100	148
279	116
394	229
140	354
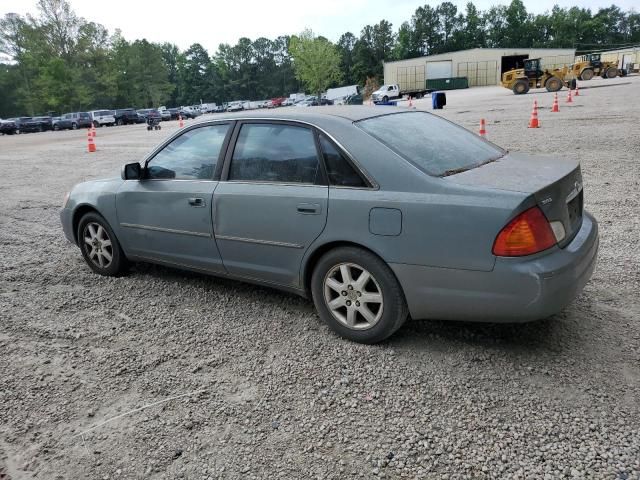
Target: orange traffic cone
555	107
483	130
93	130
410	102
533	121
569	99
91	146
577	94
181	124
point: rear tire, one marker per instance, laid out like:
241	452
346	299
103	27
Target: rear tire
520	87
119	122
100	247
357	295
587	74
553	84
612	72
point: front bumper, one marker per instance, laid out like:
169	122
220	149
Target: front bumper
516	290
66	219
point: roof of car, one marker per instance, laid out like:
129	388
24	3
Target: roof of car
352	113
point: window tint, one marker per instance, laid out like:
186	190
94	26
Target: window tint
191	156
434	145
338	168
275	153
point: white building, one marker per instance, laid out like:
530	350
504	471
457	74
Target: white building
481	66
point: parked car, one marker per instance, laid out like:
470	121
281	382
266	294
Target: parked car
58	123
8	127
376	214
165	114
127	116
27	125
103	117
150	113
73	121
235	107
288	102
45	121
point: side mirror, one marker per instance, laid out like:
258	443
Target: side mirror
131	171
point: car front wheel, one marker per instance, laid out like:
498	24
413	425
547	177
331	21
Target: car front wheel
357	295
100	247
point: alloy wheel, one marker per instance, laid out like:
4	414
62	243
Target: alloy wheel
98	245
353	296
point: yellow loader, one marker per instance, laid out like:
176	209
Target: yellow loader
586	66
520	80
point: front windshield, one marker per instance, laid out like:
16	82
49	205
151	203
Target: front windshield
434	145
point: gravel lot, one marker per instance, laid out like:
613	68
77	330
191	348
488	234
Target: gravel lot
270	391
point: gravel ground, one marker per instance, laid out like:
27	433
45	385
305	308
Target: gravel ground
268	391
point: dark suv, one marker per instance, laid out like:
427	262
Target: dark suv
73	121
27	124
127	116
8	127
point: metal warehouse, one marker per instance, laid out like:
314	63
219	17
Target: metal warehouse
481	66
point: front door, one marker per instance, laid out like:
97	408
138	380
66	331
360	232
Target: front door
272	202
167	216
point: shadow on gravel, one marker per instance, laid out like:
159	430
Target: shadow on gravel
550	335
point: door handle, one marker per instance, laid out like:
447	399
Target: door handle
308	208
196	202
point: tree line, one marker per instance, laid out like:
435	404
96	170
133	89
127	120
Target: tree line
57	61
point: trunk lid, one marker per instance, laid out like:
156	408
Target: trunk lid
555	184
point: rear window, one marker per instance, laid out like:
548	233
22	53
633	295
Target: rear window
434	145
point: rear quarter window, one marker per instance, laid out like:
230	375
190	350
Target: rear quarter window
434	145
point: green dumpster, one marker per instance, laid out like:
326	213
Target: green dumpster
452	83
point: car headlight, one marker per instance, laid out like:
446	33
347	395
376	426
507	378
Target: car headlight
65	200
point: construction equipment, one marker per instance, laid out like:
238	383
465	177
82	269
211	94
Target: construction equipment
586	66
520	80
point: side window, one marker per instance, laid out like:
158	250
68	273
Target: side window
191	156
275	153
339	170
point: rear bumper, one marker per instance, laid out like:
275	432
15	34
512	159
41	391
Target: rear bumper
516	290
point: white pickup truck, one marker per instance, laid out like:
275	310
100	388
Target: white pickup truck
392	92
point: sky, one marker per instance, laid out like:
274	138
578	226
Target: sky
212	22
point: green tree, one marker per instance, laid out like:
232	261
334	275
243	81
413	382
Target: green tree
316	61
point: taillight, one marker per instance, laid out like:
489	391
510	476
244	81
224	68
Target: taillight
526	234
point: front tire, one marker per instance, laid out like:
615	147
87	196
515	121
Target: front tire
100	247
74	126
612	72
357	295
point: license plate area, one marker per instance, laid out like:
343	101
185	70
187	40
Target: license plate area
574	209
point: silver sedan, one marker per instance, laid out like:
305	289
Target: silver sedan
377	214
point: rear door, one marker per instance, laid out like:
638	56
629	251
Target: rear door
167	216
271	203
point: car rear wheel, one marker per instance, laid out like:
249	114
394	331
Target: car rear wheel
100	247
357	295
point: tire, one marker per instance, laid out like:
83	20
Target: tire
40	129
383	315
385	99
553	84
74	126
119	122
587	74
520	87
56	128
612	72
93	234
